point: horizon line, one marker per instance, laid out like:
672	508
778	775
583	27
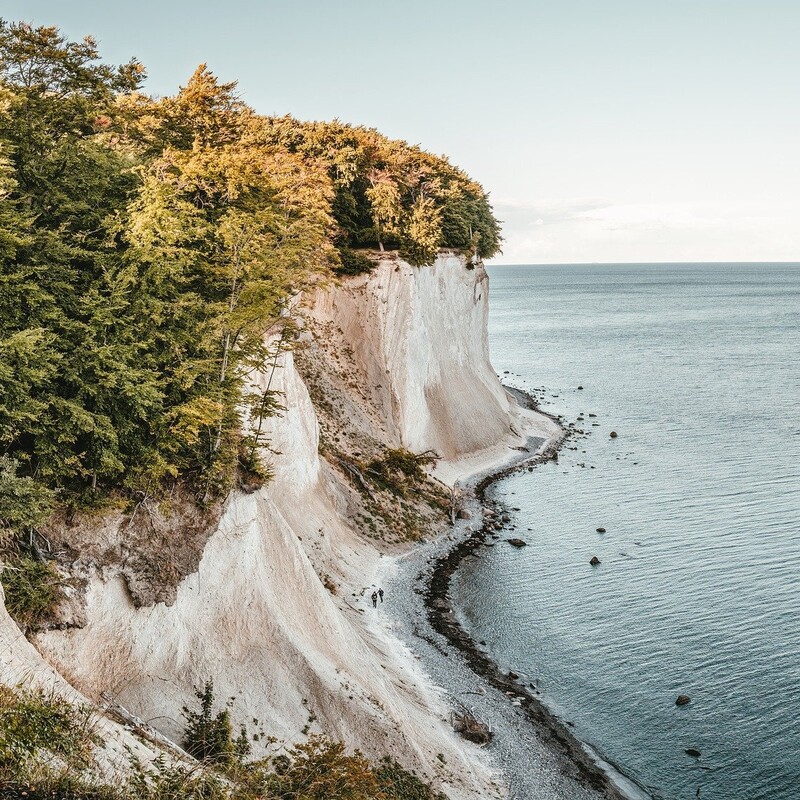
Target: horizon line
631	263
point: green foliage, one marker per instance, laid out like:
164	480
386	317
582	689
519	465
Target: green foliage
34	725
24	502
63	371
397	783
321	770
398	464
162	781
146	248
32	591
351	262
209	736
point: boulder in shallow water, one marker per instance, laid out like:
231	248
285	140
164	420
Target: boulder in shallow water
613	434
594	561
600	530
690	751
517	542
683	699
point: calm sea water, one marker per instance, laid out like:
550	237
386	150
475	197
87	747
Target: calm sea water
697	367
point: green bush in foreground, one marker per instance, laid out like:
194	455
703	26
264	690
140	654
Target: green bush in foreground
33	724
47	746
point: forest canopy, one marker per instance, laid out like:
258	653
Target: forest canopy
148	244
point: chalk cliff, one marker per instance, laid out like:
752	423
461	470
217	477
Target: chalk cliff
276	612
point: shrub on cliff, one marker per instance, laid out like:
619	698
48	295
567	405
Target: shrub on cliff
398	467
351	262
32	590
398	783
36	727
209	736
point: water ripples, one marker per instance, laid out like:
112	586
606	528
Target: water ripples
697	369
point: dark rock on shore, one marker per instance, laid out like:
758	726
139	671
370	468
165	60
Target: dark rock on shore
464	513
683	699
471	728
594	561
517	542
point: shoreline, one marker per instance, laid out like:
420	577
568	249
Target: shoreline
577	763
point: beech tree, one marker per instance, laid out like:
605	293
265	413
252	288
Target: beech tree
242	226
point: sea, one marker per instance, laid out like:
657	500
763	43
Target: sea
696	368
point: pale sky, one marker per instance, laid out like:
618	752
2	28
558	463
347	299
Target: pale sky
604	130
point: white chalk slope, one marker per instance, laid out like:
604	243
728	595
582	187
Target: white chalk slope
256	616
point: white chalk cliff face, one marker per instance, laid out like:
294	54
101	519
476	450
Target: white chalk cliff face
420	339
257	617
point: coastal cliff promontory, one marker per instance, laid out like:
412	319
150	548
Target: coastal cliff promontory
277	613
243	366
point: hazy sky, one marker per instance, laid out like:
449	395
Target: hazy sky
605	130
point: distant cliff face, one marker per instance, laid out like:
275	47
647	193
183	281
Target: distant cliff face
275	613
420	352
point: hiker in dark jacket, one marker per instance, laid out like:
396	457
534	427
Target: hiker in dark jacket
380	594
374	599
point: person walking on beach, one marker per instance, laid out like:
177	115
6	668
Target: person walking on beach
380	594
374	599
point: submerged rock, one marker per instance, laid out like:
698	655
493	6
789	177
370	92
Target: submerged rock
517	542
690	751
683	699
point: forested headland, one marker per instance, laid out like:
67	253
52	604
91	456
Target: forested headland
148	244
